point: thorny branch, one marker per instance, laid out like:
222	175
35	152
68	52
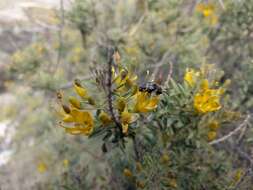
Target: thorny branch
236	130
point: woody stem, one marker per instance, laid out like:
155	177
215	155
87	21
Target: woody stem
109	85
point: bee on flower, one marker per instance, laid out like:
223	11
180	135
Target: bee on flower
117	113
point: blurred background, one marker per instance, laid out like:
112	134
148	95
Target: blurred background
46	44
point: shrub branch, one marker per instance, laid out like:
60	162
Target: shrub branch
236	130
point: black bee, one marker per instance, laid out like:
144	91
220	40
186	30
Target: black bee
151	87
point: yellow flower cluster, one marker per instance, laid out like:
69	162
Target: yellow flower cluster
208	11
76	119
206	99
127	102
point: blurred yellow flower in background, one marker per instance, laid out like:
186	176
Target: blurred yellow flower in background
208	11
214	125
66	163
238	175
42	167
127	172
211	135
191	76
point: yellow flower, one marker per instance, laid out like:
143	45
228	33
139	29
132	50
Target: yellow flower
138	166
207	100
39	48
140	184
208	11
65	163
191	77
105	118
204	102
173	183
18	57
165	158
74	102
121	104
127	172
127	118
41	167
214	125
238	175
204	85
211	135
82	122
124	80
213	20
81	91
65	114
144	102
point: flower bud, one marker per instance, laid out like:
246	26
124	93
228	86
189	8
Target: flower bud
211	135
164	158
81	91
59	95
121	104
104	118
123	74
74	102
91	101
138	166
214	125
66	109
140	184
116	57
127	172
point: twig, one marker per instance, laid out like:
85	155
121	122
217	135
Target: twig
135	28
96	157
70	84
222	4
61	26
136	151
170	72
236	130
109	87
242	179
160	63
